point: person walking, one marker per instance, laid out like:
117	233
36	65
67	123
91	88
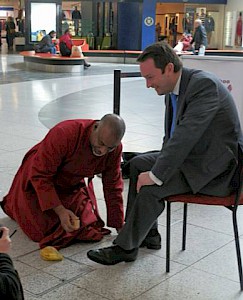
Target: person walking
10	32
199	40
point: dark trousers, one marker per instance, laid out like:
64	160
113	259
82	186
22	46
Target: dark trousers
10	39
144	208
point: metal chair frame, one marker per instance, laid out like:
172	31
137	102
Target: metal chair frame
237	198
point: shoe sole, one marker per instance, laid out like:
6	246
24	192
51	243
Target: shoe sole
150	246
95	259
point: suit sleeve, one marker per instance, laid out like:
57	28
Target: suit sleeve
202	103
203	36
113	187
10	285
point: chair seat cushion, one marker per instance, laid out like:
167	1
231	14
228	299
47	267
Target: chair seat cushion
205	199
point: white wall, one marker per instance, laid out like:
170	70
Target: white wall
234	5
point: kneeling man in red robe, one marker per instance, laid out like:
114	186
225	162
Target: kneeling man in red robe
49	191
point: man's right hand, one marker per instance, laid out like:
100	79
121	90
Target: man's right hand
65	216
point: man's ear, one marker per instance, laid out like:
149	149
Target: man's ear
96	125
169	68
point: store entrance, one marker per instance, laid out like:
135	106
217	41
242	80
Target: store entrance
96	22
175	19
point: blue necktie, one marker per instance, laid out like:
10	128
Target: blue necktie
173	102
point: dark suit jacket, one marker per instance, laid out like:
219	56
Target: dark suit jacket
204	146
200	37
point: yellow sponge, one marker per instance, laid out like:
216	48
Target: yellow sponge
50	253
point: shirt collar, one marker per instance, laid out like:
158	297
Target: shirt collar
177	86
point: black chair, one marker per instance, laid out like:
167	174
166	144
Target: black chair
230	202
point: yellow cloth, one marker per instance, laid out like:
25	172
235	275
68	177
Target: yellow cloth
50	253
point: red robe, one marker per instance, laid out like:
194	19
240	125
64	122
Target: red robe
52	173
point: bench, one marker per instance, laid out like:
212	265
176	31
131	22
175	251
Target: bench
54	63
112	56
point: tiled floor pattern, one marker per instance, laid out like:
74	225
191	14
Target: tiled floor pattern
30	103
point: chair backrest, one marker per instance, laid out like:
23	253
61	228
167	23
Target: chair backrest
106	43
239	177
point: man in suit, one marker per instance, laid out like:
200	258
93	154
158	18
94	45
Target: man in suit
199	154
199	39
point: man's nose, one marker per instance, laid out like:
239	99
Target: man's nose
103	149
149	84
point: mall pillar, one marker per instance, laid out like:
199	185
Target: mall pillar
129	16
148	23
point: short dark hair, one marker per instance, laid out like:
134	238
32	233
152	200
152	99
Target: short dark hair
162	54
52	32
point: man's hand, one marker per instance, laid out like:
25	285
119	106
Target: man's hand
66	216
144	179
5	241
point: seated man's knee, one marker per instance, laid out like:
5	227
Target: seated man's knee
151	192
136	162
145	192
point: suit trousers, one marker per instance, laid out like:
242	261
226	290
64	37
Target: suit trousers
144	208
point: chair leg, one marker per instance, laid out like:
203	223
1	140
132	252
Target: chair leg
237	246
168	216
184	227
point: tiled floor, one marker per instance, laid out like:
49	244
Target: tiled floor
30	103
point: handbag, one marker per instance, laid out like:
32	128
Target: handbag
12	31
76	51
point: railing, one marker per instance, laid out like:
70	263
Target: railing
117	87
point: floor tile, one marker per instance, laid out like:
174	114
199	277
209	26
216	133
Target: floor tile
127	280
71	292
23	269
200	243
194	285
67	269
222	262
39	282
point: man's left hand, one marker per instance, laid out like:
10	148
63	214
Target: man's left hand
144	179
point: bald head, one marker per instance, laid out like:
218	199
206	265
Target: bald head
198	22
115	124
107	134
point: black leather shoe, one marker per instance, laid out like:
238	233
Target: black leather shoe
112	255
87	65
152	240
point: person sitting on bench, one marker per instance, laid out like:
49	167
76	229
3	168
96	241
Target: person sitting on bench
46	45
66	43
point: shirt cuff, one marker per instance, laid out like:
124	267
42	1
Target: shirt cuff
155	179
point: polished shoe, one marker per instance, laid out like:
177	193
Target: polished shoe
152	240
112	255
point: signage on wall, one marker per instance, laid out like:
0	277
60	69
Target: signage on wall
228	69
148	21
228	84
41	26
